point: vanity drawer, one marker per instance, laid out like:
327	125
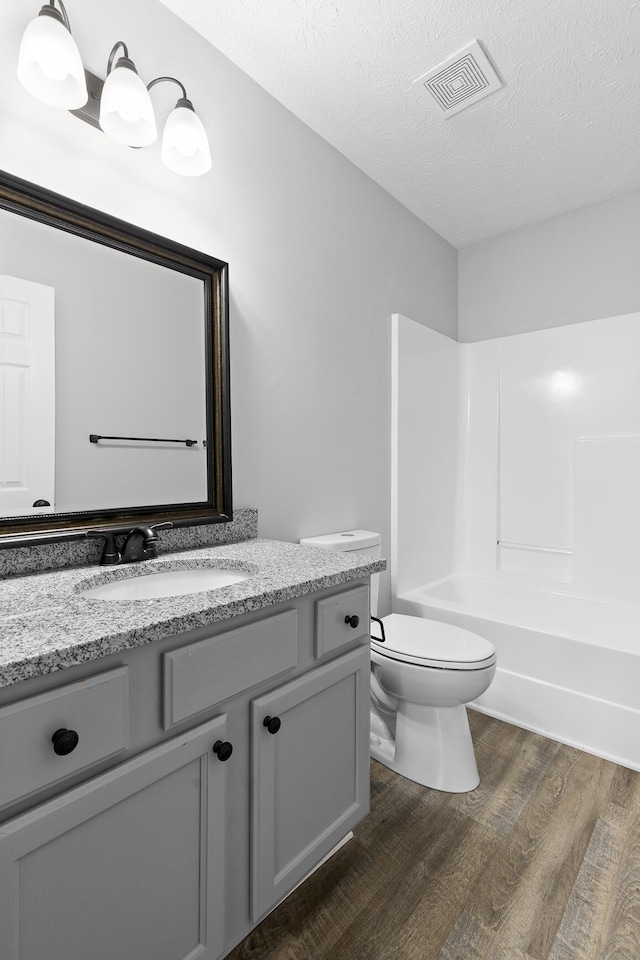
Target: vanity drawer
332	629
97	709
205	673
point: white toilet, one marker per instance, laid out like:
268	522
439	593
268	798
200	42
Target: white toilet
422	674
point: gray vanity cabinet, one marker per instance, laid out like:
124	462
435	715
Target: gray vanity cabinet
145	843
129	865
310	763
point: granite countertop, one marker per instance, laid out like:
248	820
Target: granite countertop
46	624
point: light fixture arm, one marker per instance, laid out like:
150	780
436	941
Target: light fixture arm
112	55
64	17
171	80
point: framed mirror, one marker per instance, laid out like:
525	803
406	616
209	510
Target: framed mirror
114	373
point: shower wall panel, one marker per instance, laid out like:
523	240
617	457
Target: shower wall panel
555	429
518	458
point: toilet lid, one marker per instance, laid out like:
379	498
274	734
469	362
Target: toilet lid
431	643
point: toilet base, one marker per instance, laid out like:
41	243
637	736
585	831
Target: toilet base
432	747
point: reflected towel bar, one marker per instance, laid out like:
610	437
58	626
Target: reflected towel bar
94	438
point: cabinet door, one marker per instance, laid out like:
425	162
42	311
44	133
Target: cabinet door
129	866
311	777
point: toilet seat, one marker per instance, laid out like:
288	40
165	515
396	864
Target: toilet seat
431	643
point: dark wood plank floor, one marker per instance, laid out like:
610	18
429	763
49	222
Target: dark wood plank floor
541	862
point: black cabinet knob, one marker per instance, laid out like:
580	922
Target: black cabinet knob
352	621
272	724
223	749
64	741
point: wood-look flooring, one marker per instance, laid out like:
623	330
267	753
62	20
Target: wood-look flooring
541	862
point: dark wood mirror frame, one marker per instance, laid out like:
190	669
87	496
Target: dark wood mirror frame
28	200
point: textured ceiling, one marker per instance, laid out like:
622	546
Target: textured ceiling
563	133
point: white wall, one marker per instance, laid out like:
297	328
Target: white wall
579	266
320	257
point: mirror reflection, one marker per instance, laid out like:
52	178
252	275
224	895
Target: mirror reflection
94	341
105	377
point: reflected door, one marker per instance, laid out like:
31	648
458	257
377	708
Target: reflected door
27	397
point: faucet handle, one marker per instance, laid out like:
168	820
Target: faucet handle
110	555
165	525
142	542
149	531
151	540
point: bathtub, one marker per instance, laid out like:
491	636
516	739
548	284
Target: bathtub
568	666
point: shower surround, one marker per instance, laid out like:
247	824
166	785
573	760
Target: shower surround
516	513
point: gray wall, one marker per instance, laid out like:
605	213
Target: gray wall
320	257
582	265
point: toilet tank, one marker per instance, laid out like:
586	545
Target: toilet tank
363	543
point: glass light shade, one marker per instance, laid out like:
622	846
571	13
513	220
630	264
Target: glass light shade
49	64
185	148
126	112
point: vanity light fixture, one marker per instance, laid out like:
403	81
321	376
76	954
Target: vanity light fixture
50	68
126	111
185	148
49	62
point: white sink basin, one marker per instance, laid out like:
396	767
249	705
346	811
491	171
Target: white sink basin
168	583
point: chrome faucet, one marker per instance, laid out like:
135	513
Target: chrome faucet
141	544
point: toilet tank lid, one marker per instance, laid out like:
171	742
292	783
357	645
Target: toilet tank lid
347	540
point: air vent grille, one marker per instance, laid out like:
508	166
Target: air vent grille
462	79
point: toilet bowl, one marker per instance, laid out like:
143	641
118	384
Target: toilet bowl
423	673
422	676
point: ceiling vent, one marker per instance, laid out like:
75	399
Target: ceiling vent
460	80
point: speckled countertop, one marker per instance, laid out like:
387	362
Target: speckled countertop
46	624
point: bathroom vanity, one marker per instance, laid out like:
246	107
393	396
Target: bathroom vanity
171	769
